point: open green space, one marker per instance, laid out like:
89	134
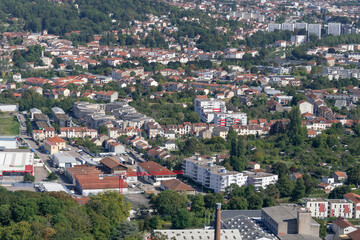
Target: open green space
9	126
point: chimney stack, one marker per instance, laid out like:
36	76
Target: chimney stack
218	221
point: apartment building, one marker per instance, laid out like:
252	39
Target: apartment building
230	118
317	206
210	175
322	208
77	132
207	107
260	179
355	200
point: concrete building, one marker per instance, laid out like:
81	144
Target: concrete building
341	226
9	108
302	25
355	199
314	29
334	29
340	208
16	162
274	26
54	145
289	222
212	176
317	206
230	118
260	179
64	160
288	26
305	107
8	142
207	107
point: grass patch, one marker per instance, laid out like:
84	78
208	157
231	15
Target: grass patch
9	126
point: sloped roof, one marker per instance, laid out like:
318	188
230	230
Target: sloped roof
111	163
176	185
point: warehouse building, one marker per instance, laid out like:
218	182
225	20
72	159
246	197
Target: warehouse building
16	162
64	160
8	142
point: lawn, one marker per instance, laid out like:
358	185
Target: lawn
9	126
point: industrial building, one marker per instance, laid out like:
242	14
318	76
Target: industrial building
64	160
16	162
290	222
8	142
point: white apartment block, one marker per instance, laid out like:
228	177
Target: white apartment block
288	26
260	179
305	107
212	176
206	107
322	208
273	26
314	29
340	208
355	199
230	118
334	29
317	206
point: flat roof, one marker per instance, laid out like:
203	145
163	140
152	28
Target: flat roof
16	160
53	187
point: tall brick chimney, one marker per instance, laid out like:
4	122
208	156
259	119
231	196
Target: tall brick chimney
218	221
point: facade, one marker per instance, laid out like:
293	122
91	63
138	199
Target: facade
305	107
260	179
342	226
334	29
207	107
230	118
314	29
317	206
340	208
274	26
355	199
64	160
210	175
78	132
16	162
8	142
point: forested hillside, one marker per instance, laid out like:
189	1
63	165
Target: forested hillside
33	215
86	15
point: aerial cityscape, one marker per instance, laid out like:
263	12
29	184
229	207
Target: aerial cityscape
179	120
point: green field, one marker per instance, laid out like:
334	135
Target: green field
9	126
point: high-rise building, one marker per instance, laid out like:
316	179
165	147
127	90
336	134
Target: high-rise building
288	26
302	25
273	26
314	29
334	29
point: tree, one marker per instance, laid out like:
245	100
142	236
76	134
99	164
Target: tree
285	186
127	230
354	175
254	201
198	205
29	178
168	202
238	203
52	176
277	128
299	190
103	130
280	169
212	198
294	129
181	220
338	192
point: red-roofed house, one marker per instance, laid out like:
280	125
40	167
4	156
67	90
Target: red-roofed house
339	176
355	199
341	226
